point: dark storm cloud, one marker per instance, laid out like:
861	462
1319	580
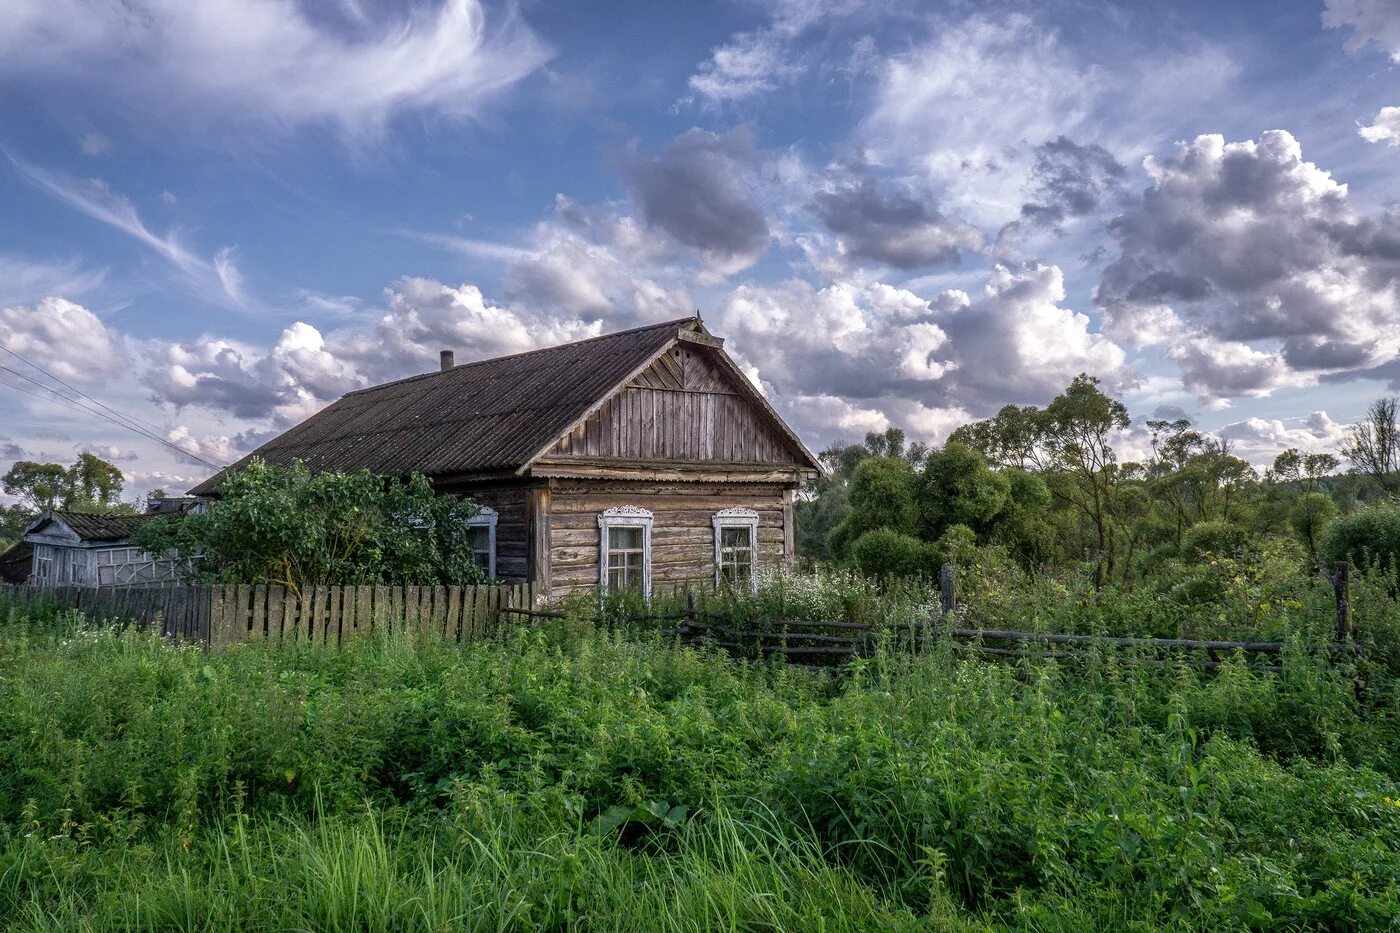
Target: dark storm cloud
1070	180
892	223
697	190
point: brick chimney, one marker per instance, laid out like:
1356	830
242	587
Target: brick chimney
445	357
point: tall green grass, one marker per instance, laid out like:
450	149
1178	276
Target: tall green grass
400	784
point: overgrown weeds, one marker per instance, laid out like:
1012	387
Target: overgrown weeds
410	784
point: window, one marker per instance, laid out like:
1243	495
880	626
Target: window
481	531
736	548
43	564
625	544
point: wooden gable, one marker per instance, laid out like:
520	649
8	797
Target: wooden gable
683	407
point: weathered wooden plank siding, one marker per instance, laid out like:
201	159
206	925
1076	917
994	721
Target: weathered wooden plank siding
512	532
682	543
682	408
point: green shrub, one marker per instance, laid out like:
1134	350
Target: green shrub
1214	537
887	553
1366	537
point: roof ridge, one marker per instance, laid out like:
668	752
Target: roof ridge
511	356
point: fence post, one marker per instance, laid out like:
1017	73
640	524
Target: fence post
1341	588
947	588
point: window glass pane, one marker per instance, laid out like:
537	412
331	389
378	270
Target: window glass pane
625	538
735	558
480	538
624	570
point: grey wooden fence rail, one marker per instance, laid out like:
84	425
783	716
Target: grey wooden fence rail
221	615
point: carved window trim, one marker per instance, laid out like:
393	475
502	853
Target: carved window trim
486	517
737	518
624	516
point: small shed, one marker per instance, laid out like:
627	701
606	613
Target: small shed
81	549
17	563
632	460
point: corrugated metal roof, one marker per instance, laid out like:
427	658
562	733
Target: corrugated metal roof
100	527
488	416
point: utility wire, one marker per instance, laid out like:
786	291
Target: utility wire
110	415
72	388
77	405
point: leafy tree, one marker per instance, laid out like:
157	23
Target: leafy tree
290	526
93	483
90	484
958	488
1300	470
13	520
1310	516
39	485
881	495
1021	526
823	504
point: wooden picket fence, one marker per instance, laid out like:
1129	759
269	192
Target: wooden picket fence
221	615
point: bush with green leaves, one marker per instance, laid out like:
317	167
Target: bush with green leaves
958	488
287	525
881	495
1214	538
1365	537
888	553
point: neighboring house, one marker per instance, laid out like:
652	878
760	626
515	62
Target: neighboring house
79	549
630	460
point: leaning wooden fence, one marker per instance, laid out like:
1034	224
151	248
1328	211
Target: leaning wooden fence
222	615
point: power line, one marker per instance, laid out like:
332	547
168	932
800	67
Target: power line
75	389
77	405
111	415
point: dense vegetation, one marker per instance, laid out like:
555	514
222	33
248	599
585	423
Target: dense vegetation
290	526
572	778
1047	488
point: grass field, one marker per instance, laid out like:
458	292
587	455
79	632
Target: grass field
571	779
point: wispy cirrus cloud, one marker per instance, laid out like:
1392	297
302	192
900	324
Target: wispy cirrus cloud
25	280
269	61
217	279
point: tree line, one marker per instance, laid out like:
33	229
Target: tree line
89	484
1046	487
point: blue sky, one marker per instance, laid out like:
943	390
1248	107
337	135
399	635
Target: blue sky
218	217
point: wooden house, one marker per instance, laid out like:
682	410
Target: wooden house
81	549
637	459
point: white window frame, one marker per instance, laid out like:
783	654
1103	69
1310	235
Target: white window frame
738	518
43	565
486	517
624	516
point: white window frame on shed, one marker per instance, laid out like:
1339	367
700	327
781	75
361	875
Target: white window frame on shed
737	518
43	564
486	517
624	516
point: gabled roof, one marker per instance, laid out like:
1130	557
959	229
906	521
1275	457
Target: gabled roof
92	527
492	417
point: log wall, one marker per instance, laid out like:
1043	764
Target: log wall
682	544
